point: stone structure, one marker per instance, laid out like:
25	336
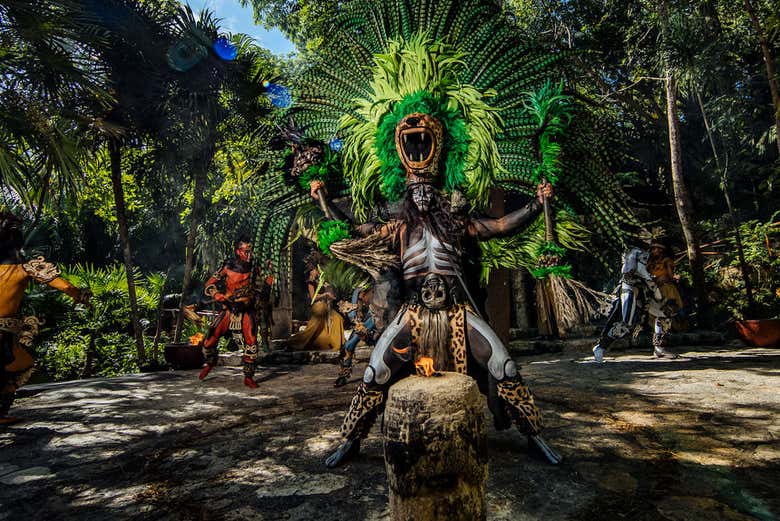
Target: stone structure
436	449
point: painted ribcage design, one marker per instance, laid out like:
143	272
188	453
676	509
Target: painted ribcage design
430	255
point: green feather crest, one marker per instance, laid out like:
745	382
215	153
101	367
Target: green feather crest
420	75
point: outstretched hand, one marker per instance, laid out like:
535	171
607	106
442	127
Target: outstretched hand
543	190
83	297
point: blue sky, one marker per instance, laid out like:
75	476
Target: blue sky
237	19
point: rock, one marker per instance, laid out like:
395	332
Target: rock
25	476
436	449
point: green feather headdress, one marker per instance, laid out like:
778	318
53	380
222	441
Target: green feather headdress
465	63
419	75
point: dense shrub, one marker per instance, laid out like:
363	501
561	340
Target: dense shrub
79	341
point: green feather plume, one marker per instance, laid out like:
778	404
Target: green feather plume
330	232
523	250
419	75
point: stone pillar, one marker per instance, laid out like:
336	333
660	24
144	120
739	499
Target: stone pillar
436	449
520	292
497	305
282	312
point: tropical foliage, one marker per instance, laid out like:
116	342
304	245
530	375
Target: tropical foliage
125	137
95	340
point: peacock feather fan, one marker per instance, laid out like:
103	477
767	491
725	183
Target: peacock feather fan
463	62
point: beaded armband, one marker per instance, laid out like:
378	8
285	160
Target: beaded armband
41	269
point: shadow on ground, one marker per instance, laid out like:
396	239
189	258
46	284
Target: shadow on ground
694	438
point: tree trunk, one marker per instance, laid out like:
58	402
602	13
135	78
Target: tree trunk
735	222
89	359
771	75
682	198
158	328
115	155
196	216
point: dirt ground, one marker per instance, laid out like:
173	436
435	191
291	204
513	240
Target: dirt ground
687	439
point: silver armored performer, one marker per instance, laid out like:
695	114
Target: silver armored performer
636	296
438	328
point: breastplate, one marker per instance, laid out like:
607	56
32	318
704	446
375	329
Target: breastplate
235	280
430	255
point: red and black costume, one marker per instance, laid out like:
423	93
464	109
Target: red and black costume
245	297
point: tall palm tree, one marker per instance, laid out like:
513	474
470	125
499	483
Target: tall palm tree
208	93
682	197
48	86
137	73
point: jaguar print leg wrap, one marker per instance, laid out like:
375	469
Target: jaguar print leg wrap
661	332
457	316
345	371
521	406
345	357
365	407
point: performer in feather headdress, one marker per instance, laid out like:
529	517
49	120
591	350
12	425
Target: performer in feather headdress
424	104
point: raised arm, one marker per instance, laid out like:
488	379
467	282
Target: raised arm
319	194
47	273
487	228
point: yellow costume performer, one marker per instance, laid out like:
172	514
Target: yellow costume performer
661	266
16	364
325	329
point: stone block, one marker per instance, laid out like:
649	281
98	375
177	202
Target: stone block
436	449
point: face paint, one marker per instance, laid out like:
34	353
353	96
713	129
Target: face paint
422	194
244	251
